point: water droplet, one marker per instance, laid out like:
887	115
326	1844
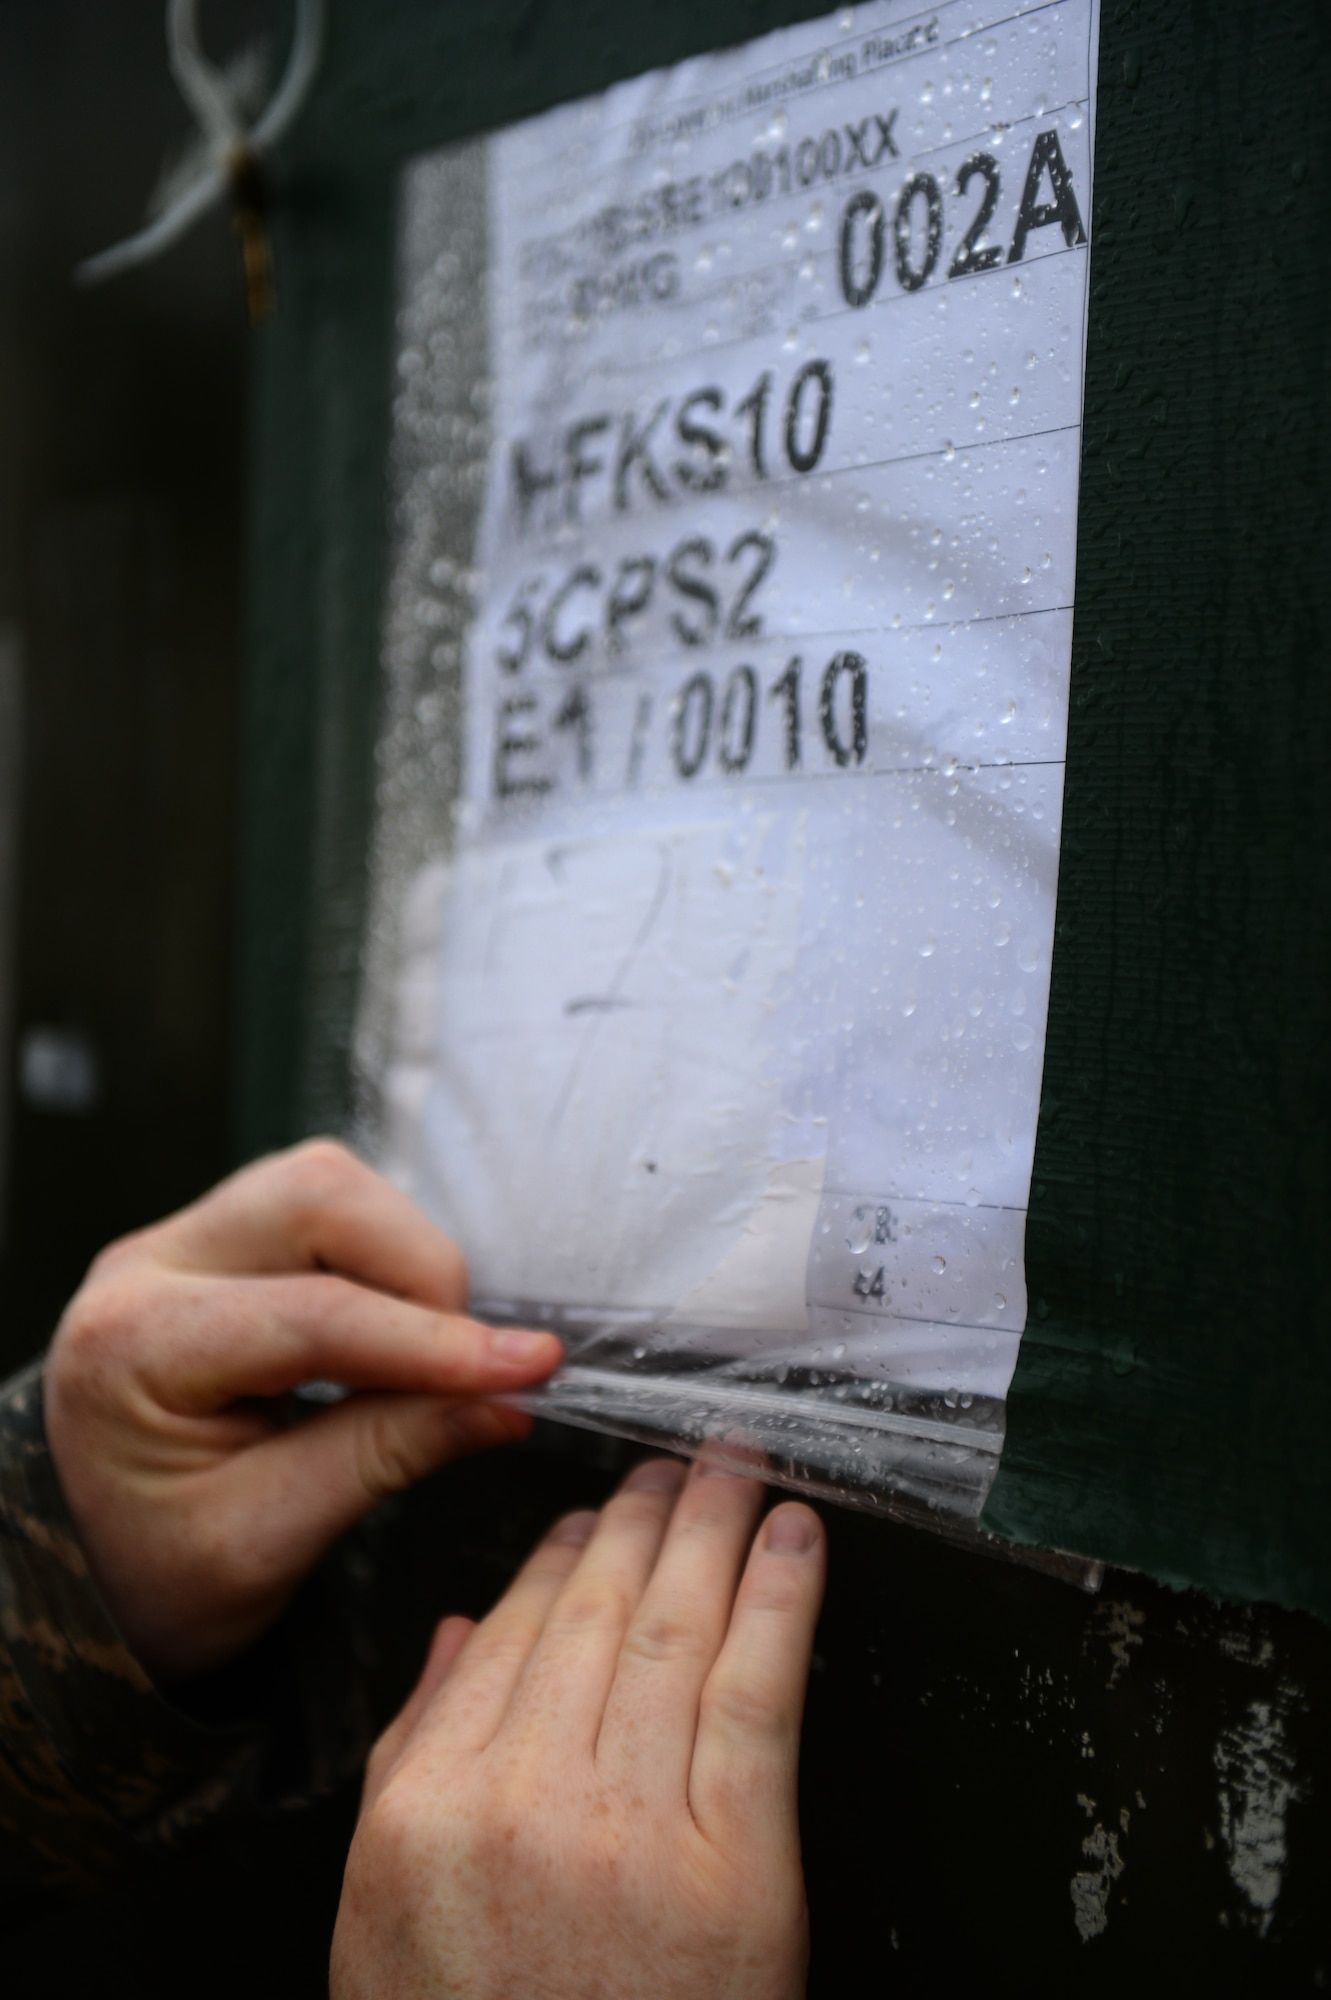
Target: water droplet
929	945
1000	1303
940	1265
1022	1036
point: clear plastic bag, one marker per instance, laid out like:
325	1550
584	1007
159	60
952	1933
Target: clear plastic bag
726	656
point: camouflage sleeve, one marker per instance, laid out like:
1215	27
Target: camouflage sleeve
96	1767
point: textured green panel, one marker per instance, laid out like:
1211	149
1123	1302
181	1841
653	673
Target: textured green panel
1168	1405
320	417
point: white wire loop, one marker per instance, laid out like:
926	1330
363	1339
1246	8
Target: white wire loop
206	93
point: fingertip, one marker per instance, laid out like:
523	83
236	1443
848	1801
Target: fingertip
518	1423
731	1458
655	1475
450	1636
524	1351
479	1426
792	1530
574	1530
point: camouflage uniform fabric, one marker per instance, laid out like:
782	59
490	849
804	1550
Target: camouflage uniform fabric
97	1768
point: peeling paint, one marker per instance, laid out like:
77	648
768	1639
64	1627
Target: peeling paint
1257	1786
1090	1889
1245	1642
1120	1624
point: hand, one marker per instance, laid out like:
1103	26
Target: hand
200	1509
591	1796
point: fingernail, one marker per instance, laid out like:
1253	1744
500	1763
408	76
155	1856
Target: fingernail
791	1531
506	1345
656	1475
574	1528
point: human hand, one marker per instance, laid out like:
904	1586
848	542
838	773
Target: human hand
198	1508
591	1795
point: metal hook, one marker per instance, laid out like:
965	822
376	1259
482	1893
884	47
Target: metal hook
234	170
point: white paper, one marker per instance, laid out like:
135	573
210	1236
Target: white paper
729	1009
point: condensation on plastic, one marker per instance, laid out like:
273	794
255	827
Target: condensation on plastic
437	469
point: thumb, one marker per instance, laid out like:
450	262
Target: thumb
305	1487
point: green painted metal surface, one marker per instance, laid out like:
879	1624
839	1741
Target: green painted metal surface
1168	1407
1170	1399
